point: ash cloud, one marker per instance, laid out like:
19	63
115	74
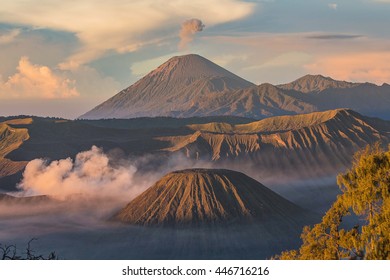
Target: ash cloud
188	30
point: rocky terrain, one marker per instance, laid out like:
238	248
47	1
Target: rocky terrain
208	197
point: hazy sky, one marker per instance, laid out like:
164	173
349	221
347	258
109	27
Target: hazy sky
61	58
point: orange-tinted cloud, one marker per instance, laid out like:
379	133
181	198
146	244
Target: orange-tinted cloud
118	25
280	58
36	81
358	66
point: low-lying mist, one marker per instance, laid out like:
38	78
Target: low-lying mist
83	193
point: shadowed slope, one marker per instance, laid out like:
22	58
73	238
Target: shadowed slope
325	93
206	196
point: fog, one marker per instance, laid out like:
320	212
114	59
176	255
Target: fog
81	196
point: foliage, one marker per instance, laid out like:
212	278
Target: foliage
10	252
366	193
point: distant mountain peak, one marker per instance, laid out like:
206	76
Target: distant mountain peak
175	88
191	85
317	77
190	66
315	84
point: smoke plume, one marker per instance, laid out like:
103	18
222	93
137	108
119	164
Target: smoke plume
188	30
91	173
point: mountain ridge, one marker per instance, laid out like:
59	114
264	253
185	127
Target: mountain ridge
191	86
323	143
315	84
298	146
274	124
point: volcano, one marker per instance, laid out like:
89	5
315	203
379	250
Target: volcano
193	86
204	197
177	88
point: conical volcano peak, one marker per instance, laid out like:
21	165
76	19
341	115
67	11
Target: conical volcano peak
181	87
204	172
190	66
204	197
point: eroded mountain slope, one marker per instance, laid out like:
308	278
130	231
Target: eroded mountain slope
207	196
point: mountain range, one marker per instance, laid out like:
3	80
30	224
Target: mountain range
277	150
190	85
325	140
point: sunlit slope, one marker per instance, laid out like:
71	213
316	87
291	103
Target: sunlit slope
207	196
316	83
11	138
323	139
174	89
269	125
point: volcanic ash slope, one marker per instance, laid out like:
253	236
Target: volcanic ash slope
207	197
181	87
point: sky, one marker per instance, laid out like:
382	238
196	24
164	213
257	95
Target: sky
62	58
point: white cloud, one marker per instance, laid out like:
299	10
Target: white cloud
333	6
8	37
36	81
119	25
91	173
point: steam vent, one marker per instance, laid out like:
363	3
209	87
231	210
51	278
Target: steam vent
206	196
